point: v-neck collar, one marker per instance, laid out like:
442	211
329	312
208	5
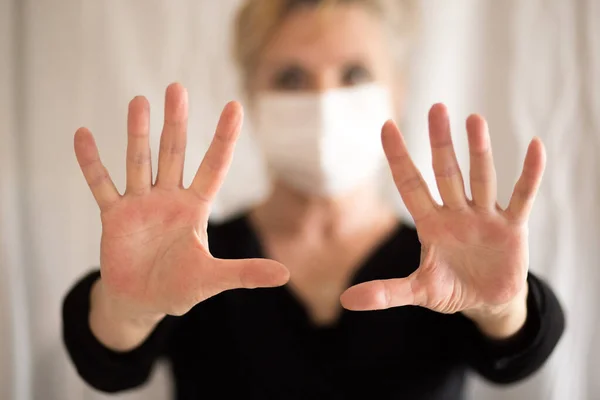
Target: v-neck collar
361	274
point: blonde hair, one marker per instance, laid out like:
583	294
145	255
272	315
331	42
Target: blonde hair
257	20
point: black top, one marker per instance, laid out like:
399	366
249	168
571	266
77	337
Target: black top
260	344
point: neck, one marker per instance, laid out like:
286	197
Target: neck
289	212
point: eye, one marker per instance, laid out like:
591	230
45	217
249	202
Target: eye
356	74
291	78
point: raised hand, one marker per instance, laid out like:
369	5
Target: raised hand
474	254
155	258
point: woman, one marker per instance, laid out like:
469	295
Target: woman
454	294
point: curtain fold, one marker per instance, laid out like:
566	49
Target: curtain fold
15	360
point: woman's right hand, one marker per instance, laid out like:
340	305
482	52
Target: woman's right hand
154	252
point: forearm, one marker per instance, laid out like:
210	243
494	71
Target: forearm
113	326
504	323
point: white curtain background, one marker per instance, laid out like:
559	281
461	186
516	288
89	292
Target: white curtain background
531	67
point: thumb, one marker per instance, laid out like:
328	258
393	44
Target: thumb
379	295
250	273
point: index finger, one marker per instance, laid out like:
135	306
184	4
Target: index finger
96	175
216	162
409	181
526	188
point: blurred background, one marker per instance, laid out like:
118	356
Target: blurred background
531	67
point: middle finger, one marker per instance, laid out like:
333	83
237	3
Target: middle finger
445	166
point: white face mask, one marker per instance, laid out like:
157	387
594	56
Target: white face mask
323	143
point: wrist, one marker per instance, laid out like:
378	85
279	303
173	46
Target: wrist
118	311
501	322
117	325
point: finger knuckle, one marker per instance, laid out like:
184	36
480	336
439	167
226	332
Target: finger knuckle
173	148
446	171
409	184
139	158
98	179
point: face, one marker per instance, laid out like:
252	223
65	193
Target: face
326	143
315	51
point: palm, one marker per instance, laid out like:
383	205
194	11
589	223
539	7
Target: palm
154	251
149	254
469	260
474	255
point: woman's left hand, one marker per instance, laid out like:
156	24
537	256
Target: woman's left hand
474	256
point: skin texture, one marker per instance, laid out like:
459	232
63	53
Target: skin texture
154	253
475	255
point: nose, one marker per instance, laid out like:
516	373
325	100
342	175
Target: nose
326	79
